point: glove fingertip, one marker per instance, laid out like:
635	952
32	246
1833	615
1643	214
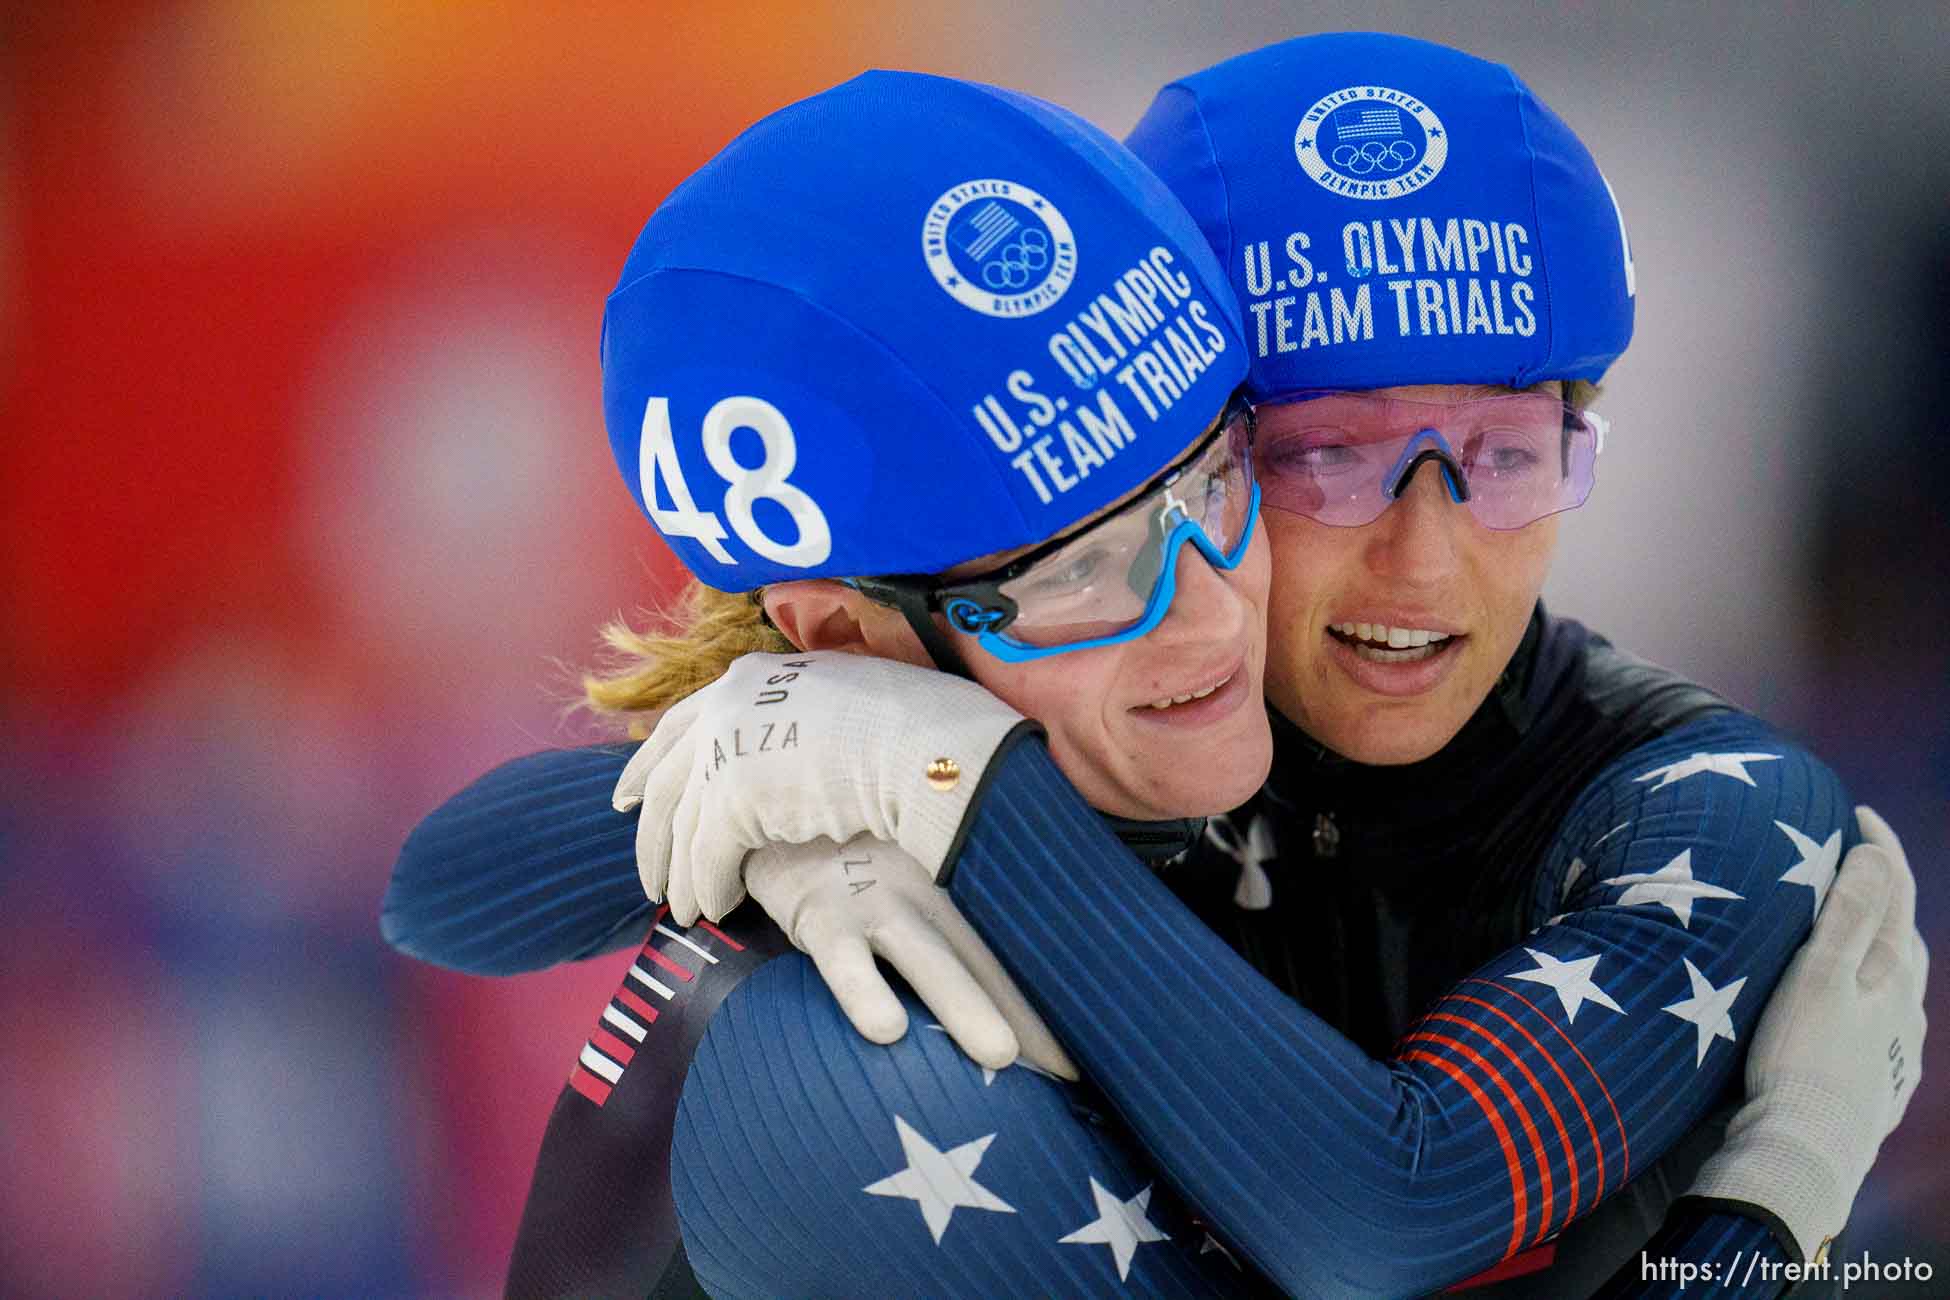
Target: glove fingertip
992	1050
883	1025
682	902
1873	827
719	908
1057	1062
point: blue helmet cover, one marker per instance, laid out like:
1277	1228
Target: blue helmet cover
1392	211
903	324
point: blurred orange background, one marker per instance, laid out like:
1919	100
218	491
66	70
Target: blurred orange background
306	513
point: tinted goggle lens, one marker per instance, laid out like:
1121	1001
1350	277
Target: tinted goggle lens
1342	458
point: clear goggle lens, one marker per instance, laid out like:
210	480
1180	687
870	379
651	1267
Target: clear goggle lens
1115	580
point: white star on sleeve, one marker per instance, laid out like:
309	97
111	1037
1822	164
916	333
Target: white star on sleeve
1572	981
1707	1009
1818	862
1671	885
940	1181
1121	1225
1733	765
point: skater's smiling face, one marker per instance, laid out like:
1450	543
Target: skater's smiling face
1163	723
1385	636
1404	226
1169	724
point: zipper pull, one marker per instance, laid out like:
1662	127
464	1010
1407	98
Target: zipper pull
1327	836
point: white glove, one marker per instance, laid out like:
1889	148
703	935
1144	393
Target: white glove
792	747
842	905
1837	1054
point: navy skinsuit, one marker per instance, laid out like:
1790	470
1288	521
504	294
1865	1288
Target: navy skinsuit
1583	897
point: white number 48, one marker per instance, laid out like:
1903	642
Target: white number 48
765	481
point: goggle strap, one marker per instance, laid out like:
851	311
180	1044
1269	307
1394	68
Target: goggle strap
911	599
939	645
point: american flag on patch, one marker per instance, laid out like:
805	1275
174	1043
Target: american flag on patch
1369	122
654	977
989	226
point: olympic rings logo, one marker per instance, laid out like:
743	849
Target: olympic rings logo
998	247
1374	156
1014	265
1362	142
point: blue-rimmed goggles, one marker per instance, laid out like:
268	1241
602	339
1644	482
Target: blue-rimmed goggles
1111	580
